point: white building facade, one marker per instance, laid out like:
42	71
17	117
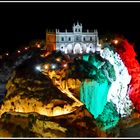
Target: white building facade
77	42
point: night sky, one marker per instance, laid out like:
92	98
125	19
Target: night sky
22	22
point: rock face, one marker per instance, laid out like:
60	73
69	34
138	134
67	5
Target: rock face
76	124
73	85
2	92
28	91
131	132
34	107
7	68
70	84
130	126
48	104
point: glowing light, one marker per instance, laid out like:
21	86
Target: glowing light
46	54
118	90
38	45
25	48
18	51
128	56
65	65
7	54
38	68
46	66
58	59
116	41
99	45
53	66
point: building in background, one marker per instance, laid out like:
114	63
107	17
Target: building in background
75	42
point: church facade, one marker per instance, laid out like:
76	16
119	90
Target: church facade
75	42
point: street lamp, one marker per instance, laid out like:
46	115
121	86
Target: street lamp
25	48
38	68
116	41
53	66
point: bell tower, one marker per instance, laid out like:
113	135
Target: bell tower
77	28
50	41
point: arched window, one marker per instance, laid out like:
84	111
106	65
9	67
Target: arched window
76	30
84	39
79	30
69	39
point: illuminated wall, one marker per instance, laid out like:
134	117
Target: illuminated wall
50	41
76	42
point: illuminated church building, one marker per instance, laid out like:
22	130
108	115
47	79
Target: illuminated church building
76	42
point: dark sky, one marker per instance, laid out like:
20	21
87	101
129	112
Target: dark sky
22	22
